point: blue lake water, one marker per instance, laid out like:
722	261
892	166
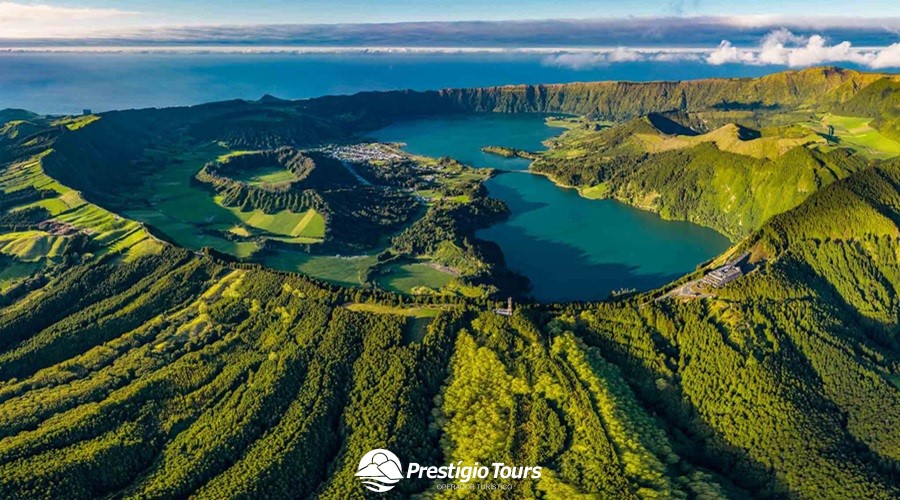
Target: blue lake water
67	83
571	248
462	137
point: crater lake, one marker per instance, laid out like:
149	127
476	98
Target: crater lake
570	247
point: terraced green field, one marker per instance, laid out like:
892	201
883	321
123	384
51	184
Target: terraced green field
11	271
32	246
112	233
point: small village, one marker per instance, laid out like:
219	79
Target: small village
363	152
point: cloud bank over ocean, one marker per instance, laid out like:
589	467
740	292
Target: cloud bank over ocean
783	47
778	48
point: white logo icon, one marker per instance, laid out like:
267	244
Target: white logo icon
379	470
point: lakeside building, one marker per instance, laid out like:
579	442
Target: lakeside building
722	276
508	310
727	273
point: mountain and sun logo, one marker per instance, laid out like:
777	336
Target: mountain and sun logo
379	470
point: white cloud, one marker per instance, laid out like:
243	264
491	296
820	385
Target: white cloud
32	20
580	59
783	48
674	56
888	57
778	48
623	54
576	61
726	53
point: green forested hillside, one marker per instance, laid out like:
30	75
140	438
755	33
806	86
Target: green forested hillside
731	192
240	381
131	367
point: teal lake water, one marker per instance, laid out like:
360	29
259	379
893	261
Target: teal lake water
462	137
571	248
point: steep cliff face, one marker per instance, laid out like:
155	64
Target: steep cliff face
624	100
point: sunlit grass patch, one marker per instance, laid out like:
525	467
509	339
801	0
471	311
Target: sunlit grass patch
345	271
413	312
404	278
594	192
857	131
32	246
76	122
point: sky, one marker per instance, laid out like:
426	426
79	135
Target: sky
43	18
363	11
579	33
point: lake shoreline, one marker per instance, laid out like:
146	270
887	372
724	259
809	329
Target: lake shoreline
580	191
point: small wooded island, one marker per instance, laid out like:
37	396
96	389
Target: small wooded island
509	152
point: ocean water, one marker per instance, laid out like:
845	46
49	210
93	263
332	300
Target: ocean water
62	83
570	247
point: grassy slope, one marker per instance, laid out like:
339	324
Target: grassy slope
112	233
729	138
340	270
880	101
404	278
858	132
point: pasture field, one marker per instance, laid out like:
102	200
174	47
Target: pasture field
273	174
404	278
346	271
175	196
856	131
594	192
190	235
309	224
